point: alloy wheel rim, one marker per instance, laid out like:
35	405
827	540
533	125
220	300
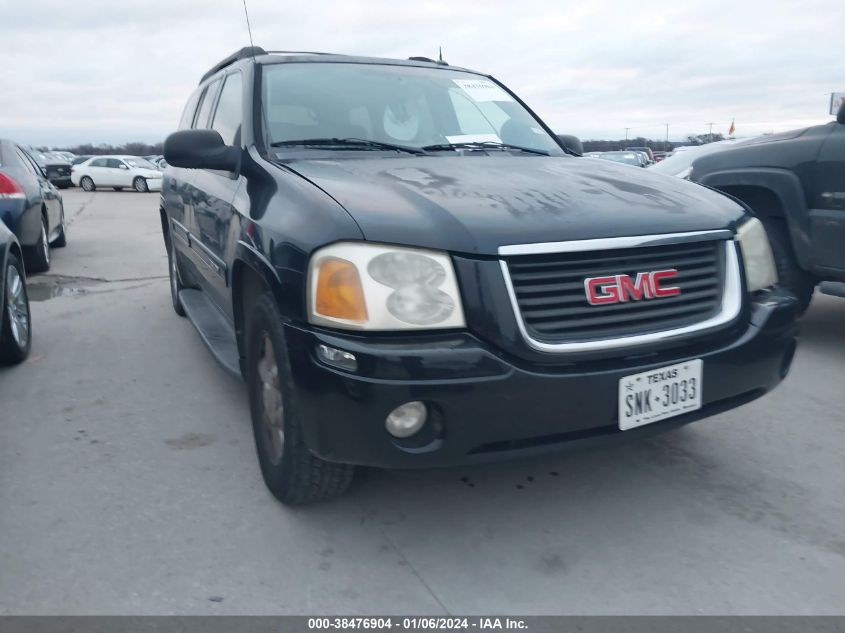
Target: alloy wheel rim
139	185
272	409
18	307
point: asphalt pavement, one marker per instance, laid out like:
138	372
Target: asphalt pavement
129	483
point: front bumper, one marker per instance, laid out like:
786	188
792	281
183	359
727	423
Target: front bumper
487	405
154	184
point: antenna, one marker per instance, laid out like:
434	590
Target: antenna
248	27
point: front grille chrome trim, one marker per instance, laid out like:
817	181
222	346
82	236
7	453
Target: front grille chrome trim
610	243
732	293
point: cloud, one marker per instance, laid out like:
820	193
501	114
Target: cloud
110	72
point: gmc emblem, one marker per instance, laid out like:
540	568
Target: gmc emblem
620	288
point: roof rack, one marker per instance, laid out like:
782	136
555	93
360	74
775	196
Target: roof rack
299	53
244	53
420	58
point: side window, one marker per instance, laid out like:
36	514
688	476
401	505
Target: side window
205	106
114	163
227	116
97	162
189	111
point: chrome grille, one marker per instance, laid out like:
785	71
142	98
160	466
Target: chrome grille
548	290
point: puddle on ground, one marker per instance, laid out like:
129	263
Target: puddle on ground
45	292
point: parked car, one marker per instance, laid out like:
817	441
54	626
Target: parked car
795	183
80	159
680	163
156	160
643	158
15	321
408	269
626	158
117	172
646	150
67	156
56	168
30	206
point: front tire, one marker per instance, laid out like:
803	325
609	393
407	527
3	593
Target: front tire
15	321
39	259
61	240
140	184
87	184
790	274
175	279
293	474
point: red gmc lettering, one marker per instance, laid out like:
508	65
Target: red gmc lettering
621	288
658	276
639	289
601	290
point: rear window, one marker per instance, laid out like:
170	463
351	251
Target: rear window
205	107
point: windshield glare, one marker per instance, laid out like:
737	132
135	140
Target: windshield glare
403	105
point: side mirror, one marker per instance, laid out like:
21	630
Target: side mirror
572	143
840	116
122	167
200	149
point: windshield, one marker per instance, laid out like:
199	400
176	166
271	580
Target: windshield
140	163
400	105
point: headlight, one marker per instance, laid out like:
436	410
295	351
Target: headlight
362	286
760	271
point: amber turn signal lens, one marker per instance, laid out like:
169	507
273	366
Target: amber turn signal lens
339	292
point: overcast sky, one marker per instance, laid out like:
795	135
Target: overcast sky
106	71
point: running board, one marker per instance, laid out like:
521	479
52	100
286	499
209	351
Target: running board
833	288
214	329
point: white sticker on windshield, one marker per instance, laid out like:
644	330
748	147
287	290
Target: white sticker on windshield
473	138
482	90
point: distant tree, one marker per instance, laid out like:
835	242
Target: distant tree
610	146
703	139
132	149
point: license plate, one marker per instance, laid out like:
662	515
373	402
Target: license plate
659	394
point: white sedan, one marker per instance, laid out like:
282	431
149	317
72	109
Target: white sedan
117	172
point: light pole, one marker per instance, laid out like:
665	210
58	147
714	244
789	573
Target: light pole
711	132
626	137
666	141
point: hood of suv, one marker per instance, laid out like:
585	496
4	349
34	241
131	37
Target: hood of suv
475	204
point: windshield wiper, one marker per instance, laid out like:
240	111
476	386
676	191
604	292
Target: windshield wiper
347	142
482	145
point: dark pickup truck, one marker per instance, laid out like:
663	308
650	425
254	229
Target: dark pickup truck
795	183
409	269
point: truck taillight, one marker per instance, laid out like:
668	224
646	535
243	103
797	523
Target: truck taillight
9	188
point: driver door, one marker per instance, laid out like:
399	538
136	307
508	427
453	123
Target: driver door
119	173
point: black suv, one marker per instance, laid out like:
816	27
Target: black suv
408	269
795	183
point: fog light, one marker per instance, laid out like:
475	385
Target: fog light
406	419
337	358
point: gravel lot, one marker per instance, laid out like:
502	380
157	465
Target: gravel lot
129	484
